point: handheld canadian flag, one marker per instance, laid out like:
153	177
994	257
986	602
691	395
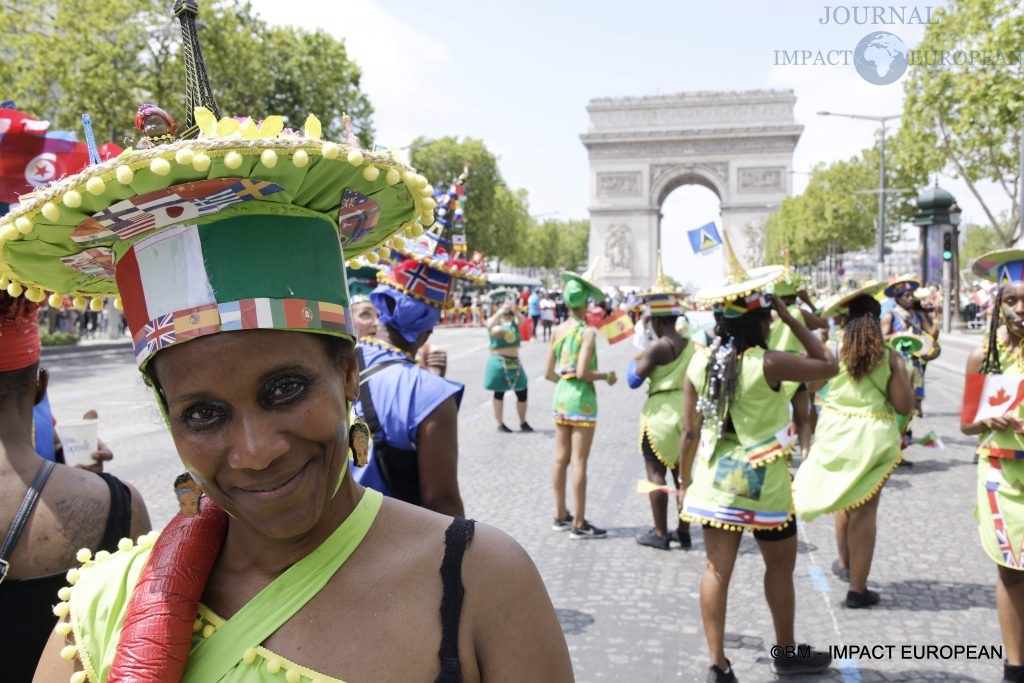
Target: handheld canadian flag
616	327
987	396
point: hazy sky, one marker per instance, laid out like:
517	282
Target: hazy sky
518	75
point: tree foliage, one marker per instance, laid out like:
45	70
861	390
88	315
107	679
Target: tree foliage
978	240
966	120
66	58
555	245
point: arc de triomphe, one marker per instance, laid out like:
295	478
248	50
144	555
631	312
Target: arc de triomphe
737	144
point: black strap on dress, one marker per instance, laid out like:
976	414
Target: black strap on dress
456	539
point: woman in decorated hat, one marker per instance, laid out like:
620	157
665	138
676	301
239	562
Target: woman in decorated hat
572	363
857	440
734	468
504	371
999	424
411	412
907	318
47	510
228	253
781	338
663	363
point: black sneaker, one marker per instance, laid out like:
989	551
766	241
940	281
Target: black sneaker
800	659
856	600
716	675
503	428
652	540
525	427
563	524
842	573
682	537
588	530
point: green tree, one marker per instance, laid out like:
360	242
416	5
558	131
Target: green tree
966	120
69	57
978	240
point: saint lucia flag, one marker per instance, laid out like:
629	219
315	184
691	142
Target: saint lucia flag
704	238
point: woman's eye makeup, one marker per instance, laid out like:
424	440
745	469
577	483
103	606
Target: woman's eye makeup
203	415
284	389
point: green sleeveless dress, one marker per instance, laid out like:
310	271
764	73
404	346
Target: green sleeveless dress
575	401
501	373
782	338
223	650
856	445
1000	509
741	481
661	418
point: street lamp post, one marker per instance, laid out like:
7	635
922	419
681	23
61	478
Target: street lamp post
880	270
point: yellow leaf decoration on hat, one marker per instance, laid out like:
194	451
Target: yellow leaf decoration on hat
270	127
312	127
247	128
206	122
226	126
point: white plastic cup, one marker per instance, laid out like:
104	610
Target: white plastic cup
80	439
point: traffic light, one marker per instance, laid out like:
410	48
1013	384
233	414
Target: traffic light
947	247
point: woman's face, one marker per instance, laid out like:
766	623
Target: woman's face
260	420
364	319
1011	305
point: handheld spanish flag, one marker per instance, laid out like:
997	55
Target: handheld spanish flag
616	327
987	396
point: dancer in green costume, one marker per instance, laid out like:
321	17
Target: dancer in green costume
239	312
572	363
1000	507
857	441
735	444
504	370
664	365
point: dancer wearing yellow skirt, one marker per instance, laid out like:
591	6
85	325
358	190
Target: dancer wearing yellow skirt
736	441
857	442
1000	490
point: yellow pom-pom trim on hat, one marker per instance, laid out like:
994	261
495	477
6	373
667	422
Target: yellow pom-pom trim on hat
330	150
392	176
68	652
63	628
72	576
160	166
35	295
96	304
232	159
371	173
371	257
351	264
102	555
72	199
185	156
125	174
50	211
415	230
125	544
64	593
355	157
249	656
208	630
201	162
273	665
118	304
95	186
55	300
83	555
268	158
292	676
300	158
78	677
80	303
23	224
9	232
61	610
4	281
15	289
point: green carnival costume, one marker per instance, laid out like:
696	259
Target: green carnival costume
661	418
741	480
503	373
856	445
222	650
575	402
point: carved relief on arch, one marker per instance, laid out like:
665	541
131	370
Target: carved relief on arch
715	173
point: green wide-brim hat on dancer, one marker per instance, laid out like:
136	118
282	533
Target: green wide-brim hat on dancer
1003	266
247	226
902	284
662	299
839	304
577	289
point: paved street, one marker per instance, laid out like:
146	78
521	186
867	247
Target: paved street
631	613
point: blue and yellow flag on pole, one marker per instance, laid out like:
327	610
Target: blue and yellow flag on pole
705	238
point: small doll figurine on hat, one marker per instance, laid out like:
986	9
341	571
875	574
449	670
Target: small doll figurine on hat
155	124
